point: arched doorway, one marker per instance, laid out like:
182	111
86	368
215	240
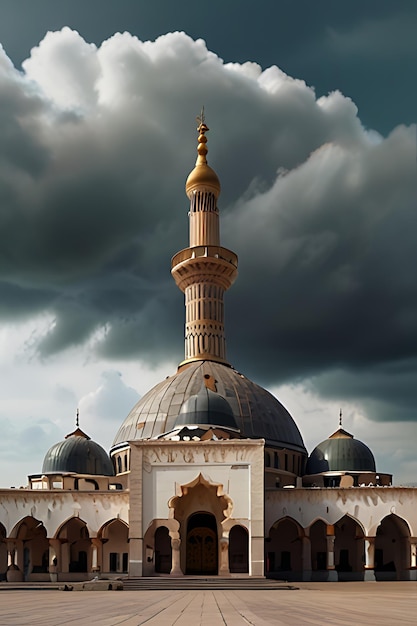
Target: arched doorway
238	550
33	559
202	544
115	552
76	546
318	540
392	549
349	549
284	549
163	551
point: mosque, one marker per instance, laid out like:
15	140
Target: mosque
208	474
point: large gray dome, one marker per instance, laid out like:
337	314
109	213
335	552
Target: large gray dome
258	414
340	452
78	454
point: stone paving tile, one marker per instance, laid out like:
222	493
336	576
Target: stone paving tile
341	605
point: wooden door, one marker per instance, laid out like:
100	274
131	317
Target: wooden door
201	551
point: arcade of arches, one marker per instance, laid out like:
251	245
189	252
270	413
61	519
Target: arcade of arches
322	551
340	551
71	554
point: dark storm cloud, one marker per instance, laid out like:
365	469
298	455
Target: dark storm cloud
320	211
338	252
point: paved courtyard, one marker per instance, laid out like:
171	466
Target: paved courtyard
356	604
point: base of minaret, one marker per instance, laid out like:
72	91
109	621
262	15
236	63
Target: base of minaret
203	357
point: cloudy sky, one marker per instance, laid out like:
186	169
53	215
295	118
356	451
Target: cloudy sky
312	110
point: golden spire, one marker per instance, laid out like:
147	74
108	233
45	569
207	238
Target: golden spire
202	139
202	178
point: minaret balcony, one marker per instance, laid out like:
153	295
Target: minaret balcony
204	264
204	251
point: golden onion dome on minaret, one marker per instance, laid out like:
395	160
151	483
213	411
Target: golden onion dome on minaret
202	177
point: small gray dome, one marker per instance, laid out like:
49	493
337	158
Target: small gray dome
340	452
206	407
78	454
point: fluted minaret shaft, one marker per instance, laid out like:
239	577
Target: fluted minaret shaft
205	270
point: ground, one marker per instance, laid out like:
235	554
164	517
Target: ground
337	604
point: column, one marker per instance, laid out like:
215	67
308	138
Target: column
306	558
330	538
13	574
175	556
135	556
54	559
413	558
96	555
369	558
65	556
224	569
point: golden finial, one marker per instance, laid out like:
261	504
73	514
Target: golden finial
202	176
201	119
202	139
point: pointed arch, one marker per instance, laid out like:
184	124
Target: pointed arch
75	545
392	548
284	548
30	534
62	528
114	535
348	516
349	548
318	543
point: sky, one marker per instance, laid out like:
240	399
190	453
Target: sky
312	110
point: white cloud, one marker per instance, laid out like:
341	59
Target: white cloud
65	68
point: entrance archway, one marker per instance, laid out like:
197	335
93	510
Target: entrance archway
202	544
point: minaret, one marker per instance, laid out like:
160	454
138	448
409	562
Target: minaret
205	270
